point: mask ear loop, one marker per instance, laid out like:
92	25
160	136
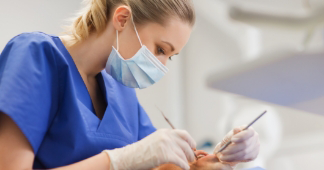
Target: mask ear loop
136	31
117	40
139	39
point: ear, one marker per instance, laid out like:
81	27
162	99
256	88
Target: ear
121	17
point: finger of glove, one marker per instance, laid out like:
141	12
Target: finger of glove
237	147
236	131
254	146
233	157
187	137
252	151
225	140
218	146
179	152
242	155
253	155
180	160
186	149
242	136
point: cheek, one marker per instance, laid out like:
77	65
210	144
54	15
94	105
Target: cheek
162	59
128	45
128	52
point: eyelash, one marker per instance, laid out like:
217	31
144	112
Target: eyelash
160	50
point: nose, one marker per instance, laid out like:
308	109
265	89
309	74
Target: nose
163	60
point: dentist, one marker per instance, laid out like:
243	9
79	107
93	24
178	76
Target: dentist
68	102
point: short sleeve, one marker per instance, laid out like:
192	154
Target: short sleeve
145	125
28	84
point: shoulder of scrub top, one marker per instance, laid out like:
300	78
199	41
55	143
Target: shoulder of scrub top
33	38
37	43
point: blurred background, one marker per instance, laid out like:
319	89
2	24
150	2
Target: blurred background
243	57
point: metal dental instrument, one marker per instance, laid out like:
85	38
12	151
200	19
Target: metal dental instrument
173	127
229	142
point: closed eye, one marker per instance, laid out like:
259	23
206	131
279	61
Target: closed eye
160	50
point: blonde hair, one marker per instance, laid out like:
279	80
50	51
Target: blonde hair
95	15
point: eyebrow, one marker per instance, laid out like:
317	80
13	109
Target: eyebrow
172	47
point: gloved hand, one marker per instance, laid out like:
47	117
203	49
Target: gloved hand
162	146
244	148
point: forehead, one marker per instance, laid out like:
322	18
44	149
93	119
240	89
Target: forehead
174	31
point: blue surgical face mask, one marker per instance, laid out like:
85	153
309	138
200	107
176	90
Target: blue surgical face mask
140	71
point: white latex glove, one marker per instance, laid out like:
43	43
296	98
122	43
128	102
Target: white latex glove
245	146
162	146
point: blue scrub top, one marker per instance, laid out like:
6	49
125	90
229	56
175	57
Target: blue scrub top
42	91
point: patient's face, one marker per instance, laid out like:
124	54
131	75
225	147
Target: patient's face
205	161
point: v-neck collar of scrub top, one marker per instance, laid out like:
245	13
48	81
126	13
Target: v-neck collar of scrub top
94	123
84	95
